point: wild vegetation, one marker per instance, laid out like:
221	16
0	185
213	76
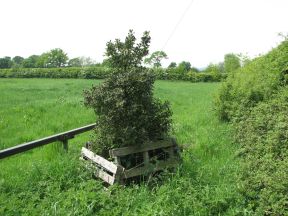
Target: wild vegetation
49	181
246	175
255	99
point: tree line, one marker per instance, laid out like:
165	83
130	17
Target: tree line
54	58
231	63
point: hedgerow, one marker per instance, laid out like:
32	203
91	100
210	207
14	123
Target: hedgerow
255	99
98	72
68	72
176	74
263	135
255	82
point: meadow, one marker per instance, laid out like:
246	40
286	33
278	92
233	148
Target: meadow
49	181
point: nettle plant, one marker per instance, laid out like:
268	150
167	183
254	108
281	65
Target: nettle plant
128	114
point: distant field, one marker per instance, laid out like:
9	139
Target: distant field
47	181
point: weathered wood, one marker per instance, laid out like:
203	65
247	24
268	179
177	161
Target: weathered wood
160	165
112	172
102	168
105	176
146	158
117	160
140	148
111	167
118	175
98	172
40	142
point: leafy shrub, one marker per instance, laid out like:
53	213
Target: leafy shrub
263	135
127	112
255	82
255	99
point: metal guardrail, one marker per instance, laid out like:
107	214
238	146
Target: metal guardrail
63	137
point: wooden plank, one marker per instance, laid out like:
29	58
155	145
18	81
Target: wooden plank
140	148
117	160
118	175
150	168
111	167
40	142
98	172
105	176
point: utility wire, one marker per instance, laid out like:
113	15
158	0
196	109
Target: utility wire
178	23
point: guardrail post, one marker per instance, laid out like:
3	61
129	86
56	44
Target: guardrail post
65	144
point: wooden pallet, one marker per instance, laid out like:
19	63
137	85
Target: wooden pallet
134	161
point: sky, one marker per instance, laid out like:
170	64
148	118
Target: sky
198	31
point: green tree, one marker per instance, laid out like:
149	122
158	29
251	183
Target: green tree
126	55
30	62
194	69
184	66
75	62
212	68
156	58
221	67
106	63
126	110
86	61
244	59
17	61
43	61
5	62
172	65
231	62
56	58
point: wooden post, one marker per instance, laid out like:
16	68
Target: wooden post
65	144
146	158
117	160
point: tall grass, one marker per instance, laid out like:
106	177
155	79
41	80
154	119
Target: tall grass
48	181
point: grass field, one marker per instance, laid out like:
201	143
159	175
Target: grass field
48	181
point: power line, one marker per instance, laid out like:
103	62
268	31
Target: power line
178	23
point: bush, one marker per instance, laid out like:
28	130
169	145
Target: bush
263	135
255	99
127	112
255	82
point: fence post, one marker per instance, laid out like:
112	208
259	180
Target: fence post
65	144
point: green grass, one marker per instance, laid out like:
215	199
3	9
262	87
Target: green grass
47	181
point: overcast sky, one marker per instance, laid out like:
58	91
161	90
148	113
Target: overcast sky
199	31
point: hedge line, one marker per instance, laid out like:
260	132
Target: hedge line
69	72
102	72
255	100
